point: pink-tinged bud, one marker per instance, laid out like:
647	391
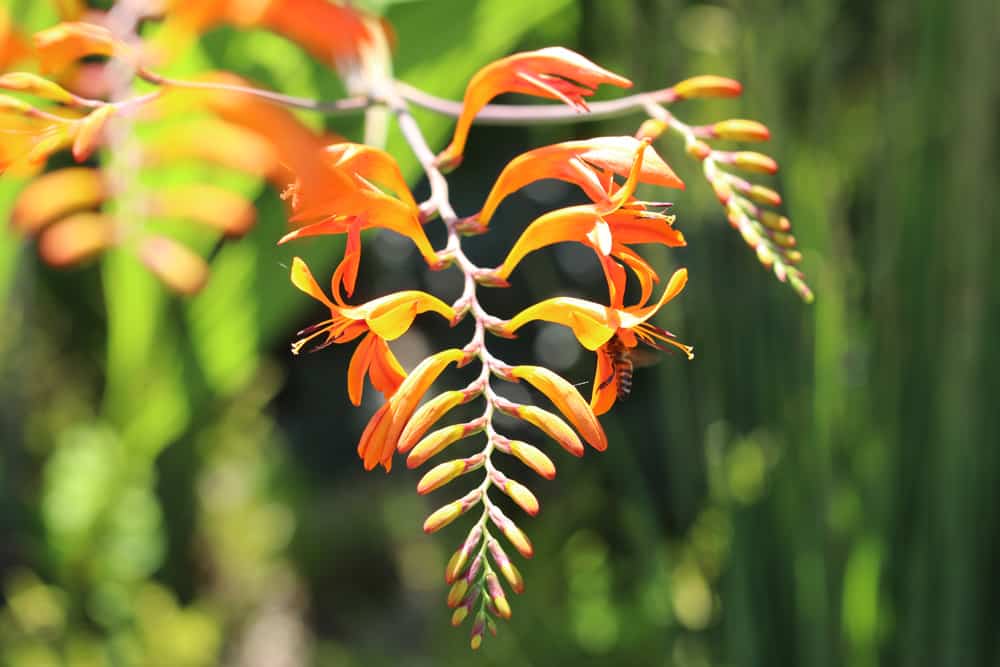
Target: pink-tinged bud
567	399
32	84
738	129
91	131
510	573
651	129
750	235
437	441
497	596
512	532
427	415
490	278
780	271
209	205
722	190
477	563
457	593
707	86
551	424
76	238
477	631
763	195
783	239
443	516
698	149
458	616
178	267
774	221
441	474
753	161
793	257
801	288
491	626
456	564
521	495
56	194
533	457
764	255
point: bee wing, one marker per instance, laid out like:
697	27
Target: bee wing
643	357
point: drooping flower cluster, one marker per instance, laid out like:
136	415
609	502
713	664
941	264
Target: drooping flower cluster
338	187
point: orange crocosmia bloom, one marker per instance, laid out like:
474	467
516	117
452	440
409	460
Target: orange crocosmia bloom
608	227
62	45
381	320
554	73
13	47
589	164
596	325
332	32
348	202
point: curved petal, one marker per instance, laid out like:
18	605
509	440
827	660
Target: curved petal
605	389
413	388
392	315
565	224
592	323
302	278
631	226
554	73
372	164
643	270
360	362
631	317
385	371
615	275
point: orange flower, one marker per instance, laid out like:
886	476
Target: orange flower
608	227
590	164
380	320
554	73
62	45
347	202
595	326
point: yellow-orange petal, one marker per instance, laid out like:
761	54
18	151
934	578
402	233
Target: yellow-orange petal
565	224
356	370
391	316
231	146
427	415
631	317
302	278
374	165
76	238
643	270
176	265
567	399
210	205
605	386
385	372
63	44
55	195
551	73
371	447
592	323
521	495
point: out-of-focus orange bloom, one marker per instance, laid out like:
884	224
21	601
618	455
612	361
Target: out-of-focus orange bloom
62	45
608	227
13	46
595	325
332	32
380	320
28	138
554	73
590	164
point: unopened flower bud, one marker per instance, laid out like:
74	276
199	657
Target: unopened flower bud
651	128
459	615
497	595
773	220
32	84
90	132
707	86
756	162
763	195
457	593
534	458
698	149
738	129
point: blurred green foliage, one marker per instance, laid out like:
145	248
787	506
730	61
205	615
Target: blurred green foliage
817	488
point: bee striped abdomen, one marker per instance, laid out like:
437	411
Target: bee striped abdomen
623	369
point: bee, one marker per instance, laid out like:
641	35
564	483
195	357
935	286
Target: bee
623	361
